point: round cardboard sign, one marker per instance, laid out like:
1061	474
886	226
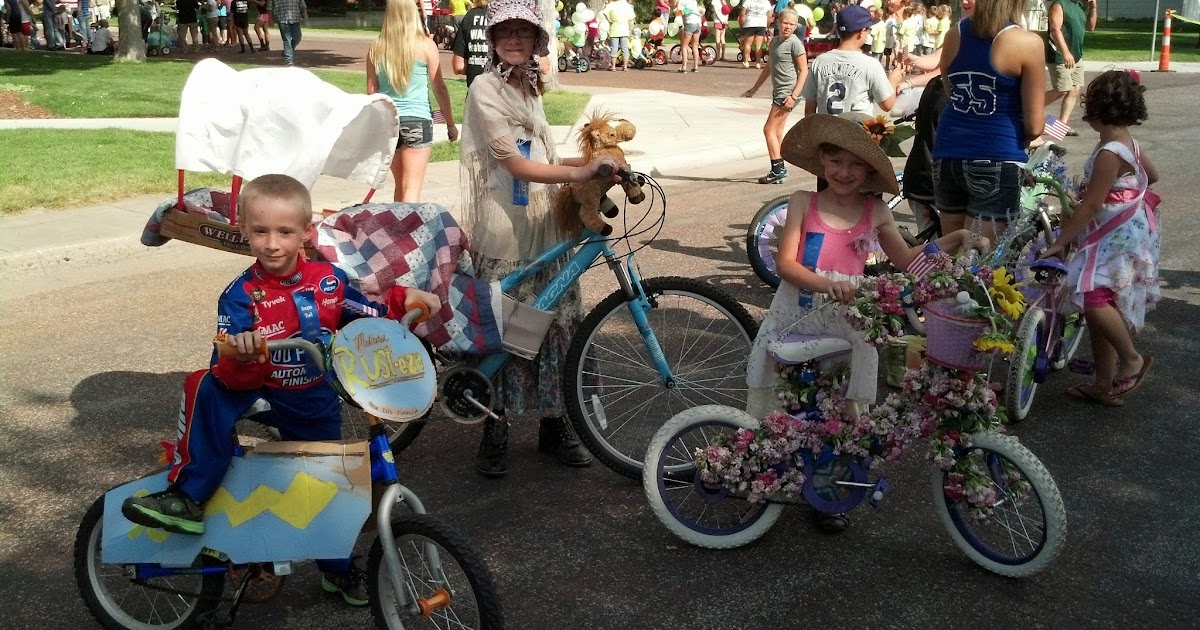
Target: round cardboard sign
383	368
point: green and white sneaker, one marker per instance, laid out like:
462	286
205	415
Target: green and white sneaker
170	510
350	585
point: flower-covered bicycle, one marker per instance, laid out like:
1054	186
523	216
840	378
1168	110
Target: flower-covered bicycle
718	477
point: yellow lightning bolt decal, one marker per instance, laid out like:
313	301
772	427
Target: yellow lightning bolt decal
303	500
157	535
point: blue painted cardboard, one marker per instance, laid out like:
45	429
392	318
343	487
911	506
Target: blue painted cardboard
281	501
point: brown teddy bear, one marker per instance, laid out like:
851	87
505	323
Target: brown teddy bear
577	205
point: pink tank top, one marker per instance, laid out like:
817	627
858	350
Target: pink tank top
827	249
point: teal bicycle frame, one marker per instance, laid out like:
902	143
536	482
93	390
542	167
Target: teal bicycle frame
591	247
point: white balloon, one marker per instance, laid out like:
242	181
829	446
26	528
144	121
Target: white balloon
581	7
678	21
589	15
603	34
672	29
578	18
656	27
734	3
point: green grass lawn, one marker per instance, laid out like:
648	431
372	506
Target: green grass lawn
135	163
124	164
1129	40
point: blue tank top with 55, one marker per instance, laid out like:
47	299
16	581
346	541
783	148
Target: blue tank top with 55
982	119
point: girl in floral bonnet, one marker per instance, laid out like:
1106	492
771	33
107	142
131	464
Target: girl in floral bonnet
509	175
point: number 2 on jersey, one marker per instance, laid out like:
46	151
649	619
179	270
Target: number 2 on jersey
837	94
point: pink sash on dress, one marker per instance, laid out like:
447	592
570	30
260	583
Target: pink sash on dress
1089	246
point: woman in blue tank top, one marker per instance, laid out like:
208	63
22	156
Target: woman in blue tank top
995	78
400	63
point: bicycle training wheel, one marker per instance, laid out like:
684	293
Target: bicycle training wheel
119	602
702	514
454	590
762	238
1028	526
1025	364
615	395
676	54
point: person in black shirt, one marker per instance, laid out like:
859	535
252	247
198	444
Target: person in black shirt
187	17
471	44
918	169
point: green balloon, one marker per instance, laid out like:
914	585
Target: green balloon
567	32
818	13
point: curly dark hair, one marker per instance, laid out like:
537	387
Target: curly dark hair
1115	98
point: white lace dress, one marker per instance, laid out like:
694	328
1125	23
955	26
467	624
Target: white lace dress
1119	250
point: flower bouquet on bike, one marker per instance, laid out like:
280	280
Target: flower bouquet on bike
720	476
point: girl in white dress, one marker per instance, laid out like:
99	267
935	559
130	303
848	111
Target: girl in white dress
1114	271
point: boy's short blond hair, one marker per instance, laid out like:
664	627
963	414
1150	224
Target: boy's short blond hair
276	186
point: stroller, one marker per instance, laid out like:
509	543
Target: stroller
162	36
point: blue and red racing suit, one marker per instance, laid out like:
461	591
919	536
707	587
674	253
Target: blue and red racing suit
312	303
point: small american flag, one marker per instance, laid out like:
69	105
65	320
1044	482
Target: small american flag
1056	128
923	263
439	119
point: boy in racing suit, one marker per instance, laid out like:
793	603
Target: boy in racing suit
281	295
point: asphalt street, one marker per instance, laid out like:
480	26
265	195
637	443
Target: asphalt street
92	361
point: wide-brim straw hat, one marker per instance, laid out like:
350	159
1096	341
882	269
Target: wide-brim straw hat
802	147
528	10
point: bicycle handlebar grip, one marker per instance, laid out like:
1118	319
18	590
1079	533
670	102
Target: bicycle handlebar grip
227	350
418	314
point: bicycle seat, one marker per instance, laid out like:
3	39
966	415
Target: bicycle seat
1049	264
797	348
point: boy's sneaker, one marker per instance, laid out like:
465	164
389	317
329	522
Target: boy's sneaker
350	585
774	177
169	510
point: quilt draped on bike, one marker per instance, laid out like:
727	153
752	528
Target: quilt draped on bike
417	245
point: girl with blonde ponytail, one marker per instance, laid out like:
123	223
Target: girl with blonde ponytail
402	62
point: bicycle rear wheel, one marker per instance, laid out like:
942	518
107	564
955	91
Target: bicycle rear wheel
704	515
1028	526
708	55
117	601
762	238
615	396
676	54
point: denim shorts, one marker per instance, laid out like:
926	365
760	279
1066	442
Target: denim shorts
984	189
415	133
691	28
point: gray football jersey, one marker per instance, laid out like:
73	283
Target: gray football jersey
846	81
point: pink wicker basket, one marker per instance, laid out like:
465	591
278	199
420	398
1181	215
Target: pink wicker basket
951	337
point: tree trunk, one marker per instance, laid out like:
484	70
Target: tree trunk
131	47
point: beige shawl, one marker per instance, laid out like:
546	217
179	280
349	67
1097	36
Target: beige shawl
498	114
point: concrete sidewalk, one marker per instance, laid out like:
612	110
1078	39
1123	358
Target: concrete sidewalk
676	132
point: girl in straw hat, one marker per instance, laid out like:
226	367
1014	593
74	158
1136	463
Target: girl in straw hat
823	250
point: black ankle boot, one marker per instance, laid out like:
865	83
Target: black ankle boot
492	460
557	438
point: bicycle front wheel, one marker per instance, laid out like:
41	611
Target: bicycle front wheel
455	591
762	238
616	397
705	515
1023	365
118	601
1028	525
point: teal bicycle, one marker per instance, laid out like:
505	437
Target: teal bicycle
649	350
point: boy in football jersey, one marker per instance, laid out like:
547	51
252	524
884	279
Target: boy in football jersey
846	80
281	295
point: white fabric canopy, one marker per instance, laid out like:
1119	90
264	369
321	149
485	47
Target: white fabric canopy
282	120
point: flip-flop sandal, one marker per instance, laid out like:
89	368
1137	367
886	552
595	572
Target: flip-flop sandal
1087	392
1124	386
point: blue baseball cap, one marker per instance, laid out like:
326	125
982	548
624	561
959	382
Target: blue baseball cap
853	18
